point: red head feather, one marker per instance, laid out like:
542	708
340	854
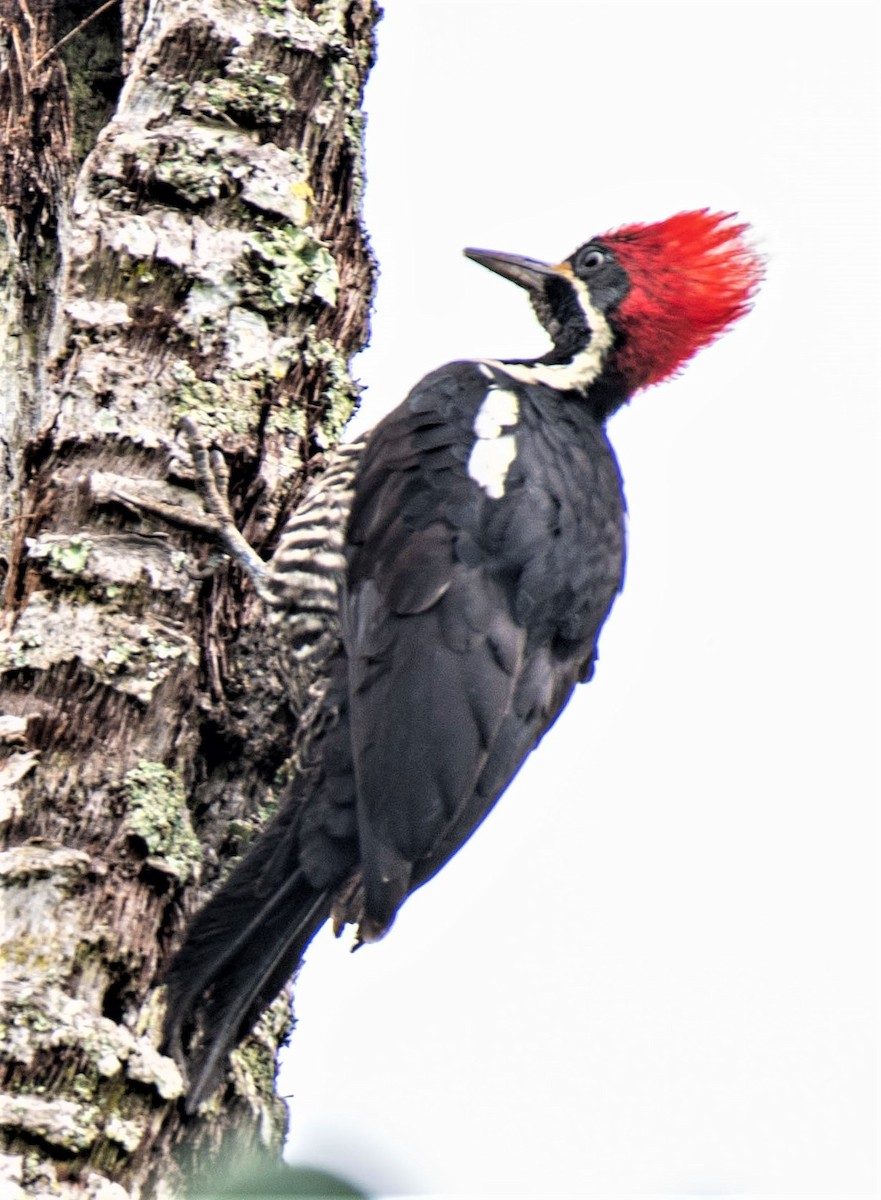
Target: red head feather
692	276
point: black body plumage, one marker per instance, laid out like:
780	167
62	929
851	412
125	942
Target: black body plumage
468	617
483	548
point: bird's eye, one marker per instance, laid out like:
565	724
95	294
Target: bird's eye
589	260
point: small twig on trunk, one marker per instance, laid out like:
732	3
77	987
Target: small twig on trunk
69	36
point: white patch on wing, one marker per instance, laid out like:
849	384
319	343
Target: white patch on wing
580	372
494	451
500	408
489	461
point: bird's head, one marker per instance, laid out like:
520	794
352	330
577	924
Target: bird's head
637	303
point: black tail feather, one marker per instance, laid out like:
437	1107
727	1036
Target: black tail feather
227	979
235	1005
249	939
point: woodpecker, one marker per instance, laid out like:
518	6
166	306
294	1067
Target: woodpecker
456	568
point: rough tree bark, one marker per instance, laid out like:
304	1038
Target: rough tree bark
180	184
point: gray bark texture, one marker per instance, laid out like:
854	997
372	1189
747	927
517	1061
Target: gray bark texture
180	184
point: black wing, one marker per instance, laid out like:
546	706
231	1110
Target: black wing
461	623
433	649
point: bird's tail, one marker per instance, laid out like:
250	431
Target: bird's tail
239	952
250	937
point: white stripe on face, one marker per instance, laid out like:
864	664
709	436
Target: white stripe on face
580	371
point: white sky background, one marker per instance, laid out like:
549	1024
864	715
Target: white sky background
650	971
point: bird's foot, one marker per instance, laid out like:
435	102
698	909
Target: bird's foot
173	505
212	483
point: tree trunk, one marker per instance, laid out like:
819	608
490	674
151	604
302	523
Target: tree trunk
187	245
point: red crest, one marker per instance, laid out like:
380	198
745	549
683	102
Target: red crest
692	276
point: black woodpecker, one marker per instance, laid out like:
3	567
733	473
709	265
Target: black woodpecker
455	568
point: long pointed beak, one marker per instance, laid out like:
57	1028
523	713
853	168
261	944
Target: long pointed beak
527	272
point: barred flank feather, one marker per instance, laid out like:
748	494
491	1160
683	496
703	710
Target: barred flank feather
308	566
